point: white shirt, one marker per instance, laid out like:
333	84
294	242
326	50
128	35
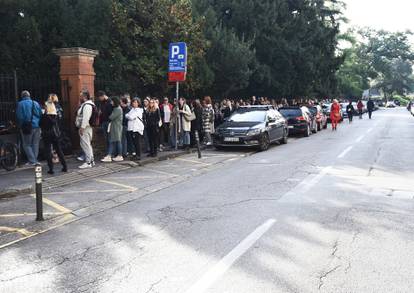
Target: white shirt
134	117
167	113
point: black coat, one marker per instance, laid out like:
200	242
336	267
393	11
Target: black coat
152	119
50	127
197	124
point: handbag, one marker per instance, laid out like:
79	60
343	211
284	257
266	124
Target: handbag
27	125
190	117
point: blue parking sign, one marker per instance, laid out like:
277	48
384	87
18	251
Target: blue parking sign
177	60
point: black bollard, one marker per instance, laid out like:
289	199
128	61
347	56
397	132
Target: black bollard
197	137
39	197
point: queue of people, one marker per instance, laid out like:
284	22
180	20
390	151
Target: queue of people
131	126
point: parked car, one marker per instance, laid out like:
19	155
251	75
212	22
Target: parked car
321	119
390	104
252	126
299	120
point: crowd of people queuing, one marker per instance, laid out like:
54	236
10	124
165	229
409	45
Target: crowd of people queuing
130	126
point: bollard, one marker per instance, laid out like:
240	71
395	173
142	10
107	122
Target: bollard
39	198
197	137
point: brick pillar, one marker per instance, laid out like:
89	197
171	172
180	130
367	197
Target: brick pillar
77	74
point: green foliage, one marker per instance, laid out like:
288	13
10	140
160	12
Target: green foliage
236	47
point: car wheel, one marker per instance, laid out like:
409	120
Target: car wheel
307	131
264	142
284	139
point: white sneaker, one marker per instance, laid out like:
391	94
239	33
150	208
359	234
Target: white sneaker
81	159
85	166
118	159
107	159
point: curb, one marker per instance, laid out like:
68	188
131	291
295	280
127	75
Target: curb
25	189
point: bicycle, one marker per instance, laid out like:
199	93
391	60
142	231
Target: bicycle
8	155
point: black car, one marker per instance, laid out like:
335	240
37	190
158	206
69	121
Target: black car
254	126
299	120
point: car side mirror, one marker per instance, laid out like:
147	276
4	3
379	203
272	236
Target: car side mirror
271	120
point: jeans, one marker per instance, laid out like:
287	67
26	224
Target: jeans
185	138
31	145
370	114
136	138
86	144
106	135
115	148
127	143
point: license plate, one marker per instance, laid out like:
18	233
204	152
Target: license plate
290	127
231	139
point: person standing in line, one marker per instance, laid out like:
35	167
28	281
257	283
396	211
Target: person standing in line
166	109
28	114
126	142
184	122
350	111
370	107
335	114
136	126
360	107
51	135
83	118
153	119
228	109
197	123
146	139
114	133
208	121
105	110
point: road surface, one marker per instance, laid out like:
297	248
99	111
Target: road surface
329	213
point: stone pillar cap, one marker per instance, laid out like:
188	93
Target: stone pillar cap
75	51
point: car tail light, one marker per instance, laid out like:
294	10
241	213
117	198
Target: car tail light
301	118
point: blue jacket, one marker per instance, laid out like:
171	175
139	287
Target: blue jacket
24	112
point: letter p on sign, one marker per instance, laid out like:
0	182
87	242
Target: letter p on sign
175	50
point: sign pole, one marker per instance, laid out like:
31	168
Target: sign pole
177	122
39	197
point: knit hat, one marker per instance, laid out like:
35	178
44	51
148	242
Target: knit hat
50	108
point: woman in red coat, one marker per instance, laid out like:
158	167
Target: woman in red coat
335	114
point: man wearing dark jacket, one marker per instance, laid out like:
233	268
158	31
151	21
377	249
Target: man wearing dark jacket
105	110
370	108
28	114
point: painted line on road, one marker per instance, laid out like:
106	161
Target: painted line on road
54	205
345	152
86	191
131	188
359	139
22	231
369	130
160	172
193	161
27	214
225	263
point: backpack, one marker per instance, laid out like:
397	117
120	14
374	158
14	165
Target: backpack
94	120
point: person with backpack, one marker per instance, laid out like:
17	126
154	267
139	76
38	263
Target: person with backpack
115	133
51	135
85	117
28	114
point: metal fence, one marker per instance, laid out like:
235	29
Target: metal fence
11	85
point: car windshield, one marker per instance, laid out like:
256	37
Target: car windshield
290	112
248	116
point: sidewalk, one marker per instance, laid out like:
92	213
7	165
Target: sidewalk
21	180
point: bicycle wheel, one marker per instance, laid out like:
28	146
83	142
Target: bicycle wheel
9	156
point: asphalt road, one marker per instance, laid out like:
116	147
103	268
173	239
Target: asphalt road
329	213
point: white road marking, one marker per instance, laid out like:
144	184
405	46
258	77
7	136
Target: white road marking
369	130
359	139
346	151
310	182
226	262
